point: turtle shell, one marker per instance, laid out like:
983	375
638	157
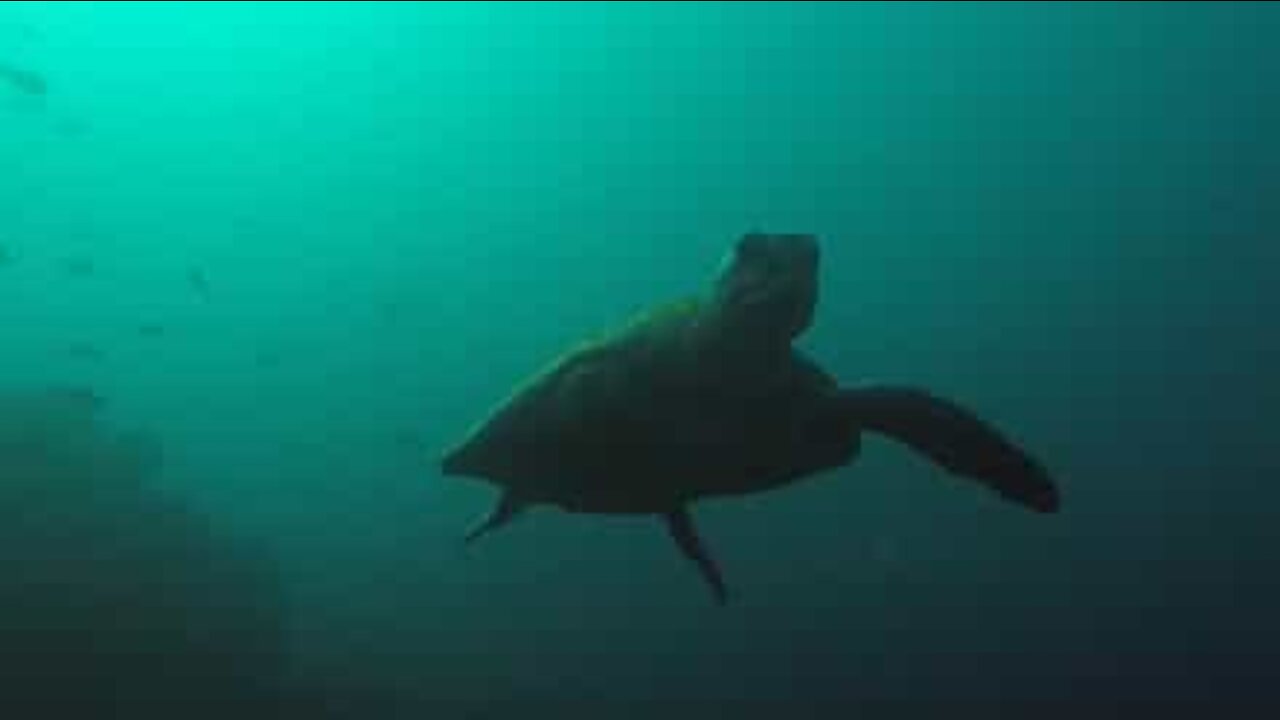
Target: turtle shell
649	418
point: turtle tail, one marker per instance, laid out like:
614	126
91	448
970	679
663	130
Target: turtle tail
954	438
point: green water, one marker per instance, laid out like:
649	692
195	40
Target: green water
307	245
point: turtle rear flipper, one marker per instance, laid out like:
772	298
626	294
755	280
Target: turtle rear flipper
955	438
507	509
685	533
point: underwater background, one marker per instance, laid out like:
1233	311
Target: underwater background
262	263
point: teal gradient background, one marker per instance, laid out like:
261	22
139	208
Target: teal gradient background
1062	214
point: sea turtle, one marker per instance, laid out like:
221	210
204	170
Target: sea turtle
708	397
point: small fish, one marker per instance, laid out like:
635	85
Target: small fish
25	81
391	310
151	330
20	30
6	256
266	359
70	127
198	282
80	395
86	351
79	267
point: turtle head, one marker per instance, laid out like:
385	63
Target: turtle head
767	287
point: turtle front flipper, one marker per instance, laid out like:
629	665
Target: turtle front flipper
680	525
955	438
508	508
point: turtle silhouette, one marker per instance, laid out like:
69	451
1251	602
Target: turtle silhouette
708	397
